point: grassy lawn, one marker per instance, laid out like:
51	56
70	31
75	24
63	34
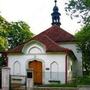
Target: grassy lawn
59	85
76	82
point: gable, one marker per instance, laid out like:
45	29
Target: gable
33	47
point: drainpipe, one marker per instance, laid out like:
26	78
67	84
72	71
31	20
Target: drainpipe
66	69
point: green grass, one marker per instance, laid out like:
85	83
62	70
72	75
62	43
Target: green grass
59	85
76	82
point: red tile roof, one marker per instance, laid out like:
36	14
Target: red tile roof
57	34
17	49
51	46
49	38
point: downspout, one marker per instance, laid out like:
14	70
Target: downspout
66	69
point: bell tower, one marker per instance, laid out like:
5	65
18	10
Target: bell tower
55	15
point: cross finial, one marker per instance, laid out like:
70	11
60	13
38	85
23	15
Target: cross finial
55	2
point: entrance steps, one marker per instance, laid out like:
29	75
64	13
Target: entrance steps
17	86
17	82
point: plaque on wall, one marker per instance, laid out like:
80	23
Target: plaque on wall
29	74
47	68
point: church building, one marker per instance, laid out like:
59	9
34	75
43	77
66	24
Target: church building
52	55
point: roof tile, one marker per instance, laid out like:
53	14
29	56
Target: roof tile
50	38
57	34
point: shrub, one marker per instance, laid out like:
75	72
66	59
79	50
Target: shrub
85	80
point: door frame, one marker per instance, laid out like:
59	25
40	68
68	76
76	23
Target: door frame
43	67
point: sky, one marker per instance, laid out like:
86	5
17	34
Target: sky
37	14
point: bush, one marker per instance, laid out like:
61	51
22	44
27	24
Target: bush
85	80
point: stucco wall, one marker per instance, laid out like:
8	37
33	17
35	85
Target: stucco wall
53	63
46	59
77	67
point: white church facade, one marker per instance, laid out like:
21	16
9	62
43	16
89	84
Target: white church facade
52	55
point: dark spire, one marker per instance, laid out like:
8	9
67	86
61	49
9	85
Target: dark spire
56	15
55	2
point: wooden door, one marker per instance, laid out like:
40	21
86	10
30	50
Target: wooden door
37	71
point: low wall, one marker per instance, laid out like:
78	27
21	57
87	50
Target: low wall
53	88
84	87
56	88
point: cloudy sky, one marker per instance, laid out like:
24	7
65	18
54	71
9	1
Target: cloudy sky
37	13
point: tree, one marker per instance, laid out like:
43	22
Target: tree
13	34
3	34
19	32
3	44
79	8
4	27
83	38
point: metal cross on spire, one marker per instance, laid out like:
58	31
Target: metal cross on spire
55	2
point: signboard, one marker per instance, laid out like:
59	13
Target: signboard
29	74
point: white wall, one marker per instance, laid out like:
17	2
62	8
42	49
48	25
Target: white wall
35	50
46	59
77	64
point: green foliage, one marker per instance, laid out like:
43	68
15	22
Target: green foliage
3	44
79	8
59	85
4	27
75	83
13	34
19	32
3	33
82	80
83	41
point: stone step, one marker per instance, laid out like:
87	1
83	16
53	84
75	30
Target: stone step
18	89
17	86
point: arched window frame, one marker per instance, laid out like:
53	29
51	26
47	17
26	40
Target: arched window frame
51	73
36	48
16	62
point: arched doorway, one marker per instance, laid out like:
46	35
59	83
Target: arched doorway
37	71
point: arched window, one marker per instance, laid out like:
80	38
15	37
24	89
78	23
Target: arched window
54	71
16	68
35	50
